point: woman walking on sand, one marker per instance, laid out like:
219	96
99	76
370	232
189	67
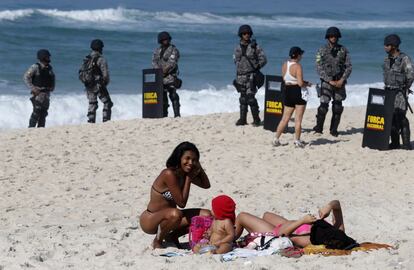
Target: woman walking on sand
295	96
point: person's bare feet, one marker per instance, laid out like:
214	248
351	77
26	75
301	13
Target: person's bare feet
173	239
157	243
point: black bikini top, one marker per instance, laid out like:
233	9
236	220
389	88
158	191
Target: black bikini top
166	194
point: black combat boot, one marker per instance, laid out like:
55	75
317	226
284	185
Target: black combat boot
176	109
336	118
42	119
395	139
405	135
32	121
337	110
91	117
255	114
243	116
107	111
320	117
320	120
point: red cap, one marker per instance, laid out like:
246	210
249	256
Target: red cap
223	207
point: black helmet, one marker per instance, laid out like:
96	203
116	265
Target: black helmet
97	45
333	32
393	40
163	36
42	54
245	28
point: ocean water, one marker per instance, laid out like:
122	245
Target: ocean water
205	33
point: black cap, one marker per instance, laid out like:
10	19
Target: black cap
42	54
295	51
97	45
393	40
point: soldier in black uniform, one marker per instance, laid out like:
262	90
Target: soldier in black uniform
40	79
398	76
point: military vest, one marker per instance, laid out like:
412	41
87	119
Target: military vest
44	77
394	76
164	56
333	61
248	59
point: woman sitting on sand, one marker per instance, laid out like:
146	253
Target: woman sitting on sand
297	230
171	189
294	96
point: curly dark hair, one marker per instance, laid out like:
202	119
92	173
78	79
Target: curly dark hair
174	160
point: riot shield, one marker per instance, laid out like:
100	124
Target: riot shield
152	93
378	119
274	95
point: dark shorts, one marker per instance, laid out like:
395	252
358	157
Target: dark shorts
293	96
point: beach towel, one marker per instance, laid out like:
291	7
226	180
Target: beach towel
276	245
323	250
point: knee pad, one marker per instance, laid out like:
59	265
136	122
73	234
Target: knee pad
337	107
44	113
404	122
243	100
93	106
36	114
323	108
108	105
174	97
251	100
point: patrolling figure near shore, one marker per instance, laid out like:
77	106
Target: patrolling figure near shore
166	58
40	79
249	59
398	76
95	76
333	65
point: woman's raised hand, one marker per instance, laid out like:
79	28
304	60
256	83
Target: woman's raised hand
309	219
195	171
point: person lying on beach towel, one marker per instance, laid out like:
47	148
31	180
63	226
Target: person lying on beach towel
302	232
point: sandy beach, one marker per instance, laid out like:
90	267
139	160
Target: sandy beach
70	196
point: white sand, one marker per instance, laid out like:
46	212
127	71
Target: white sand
70	196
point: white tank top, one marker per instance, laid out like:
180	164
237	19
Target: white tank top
288	78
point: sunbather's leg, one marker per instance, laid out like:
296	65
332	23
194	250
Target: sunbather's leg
251	224
274	219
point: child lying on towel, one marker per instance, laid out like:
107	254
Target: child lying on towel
219	238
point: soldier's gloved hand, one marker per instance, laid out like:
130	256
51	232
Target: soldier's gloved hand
35	90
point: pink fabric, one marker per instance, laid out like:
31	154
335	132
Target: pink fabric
302	229
199	225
